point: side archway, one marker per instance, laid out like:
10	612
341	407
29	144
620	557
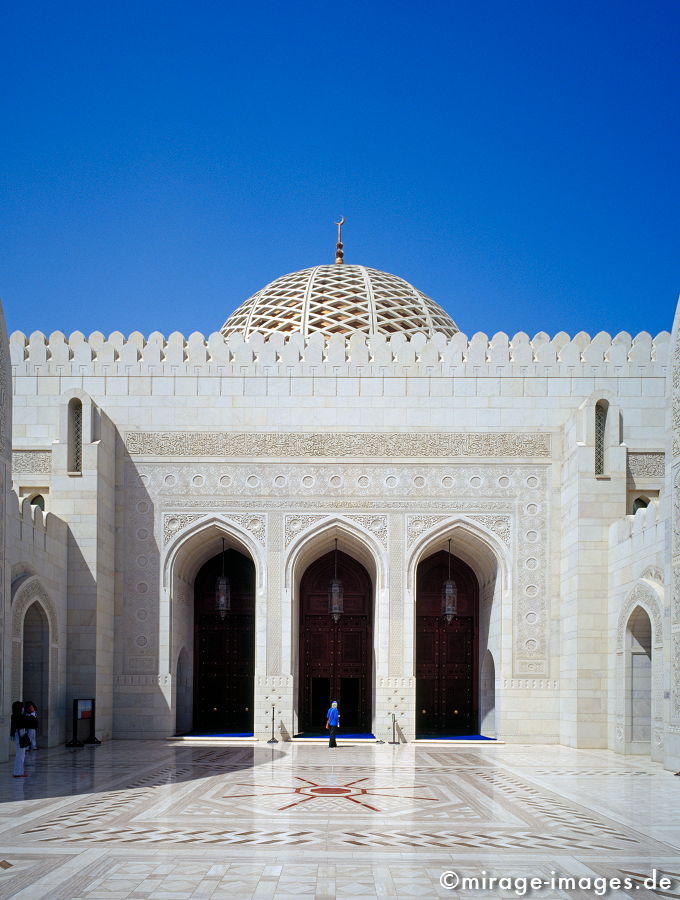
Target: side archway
35	653
203	646
355	641
639	672
480	561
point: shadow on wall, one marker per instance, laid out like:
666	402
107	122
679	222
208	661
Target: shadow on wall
139	703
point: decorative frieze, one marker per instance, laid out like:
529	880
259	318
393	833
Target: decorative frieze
646	465
32	461
531	684
341	444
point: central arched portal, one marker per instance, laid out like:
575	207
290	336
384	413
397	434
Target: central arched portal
224	647
336	658
446	652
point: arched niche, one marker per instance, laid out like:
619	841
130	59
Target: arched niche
35	652
638	674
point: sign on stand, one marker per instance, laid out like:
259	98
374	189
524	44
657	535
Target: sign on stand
83	723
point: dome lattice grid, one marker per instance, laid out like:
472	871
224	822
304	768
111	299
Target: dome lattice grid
339	299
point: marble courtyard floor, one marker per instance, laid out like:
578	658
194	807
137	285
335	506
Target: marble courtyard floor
163	820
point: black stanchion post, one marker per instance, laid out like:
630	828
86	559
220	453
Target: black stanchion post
74	742
394	729
272	739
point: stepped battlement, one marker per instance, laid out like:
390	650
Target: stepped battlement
602	354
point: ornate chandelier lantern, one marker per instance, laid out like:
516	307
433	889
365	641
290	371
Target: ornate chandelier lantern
449	594
335	593
222	591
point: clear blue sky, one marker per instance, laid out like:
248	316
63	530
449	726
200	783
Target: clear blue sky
161	161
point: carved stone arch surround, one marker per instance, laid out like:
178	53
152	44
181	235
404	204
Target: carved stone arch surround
314	527
249	531
366	533
497	543
646	595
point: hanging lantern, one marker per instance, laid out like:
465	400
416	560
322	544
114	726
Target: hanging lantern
335	594
222	591
449	594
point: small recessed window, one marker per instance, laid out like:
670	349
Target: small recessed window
75	436
600	431
38	501
639	503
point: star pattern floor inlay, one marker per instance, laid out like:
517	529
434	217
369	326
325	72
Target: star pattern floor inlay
166	820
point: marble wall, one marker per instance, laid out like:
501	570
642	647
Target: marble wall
394	446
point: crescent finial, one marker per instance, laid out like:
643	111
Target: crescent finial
339	255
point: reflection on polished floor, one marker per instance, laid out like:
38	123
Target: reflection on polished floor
159	820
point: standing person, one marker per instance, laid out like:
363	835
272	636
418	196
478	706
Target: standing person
18	730
32	712
332	723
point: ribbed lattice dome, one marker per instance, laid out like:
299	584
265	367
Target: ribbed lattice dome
339	299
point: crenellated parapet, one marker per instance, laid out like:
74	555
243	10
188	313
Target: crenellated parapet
32	526
397	354
647	526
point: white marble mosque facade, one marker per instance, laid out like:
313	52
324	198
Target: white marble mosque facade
282	443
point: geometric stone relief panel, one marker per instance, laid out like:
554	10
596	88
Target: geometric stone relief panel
138	559
396	584
675	668
32	461
646	465
175	522
676	513
297	523
382	444
274	627
499	525
531	578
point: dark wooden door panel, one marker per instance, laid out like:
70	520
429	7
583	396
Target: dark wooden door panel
335	657
224	649
446	654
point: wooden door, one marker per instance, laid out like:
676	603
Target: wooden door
335	657
446	653
224	649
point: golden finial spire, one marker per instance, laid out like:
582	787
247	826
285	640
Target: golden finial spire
339	260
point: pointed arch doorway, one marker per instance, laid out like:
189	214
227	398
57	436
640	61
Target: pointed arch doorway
446	652
224	648
336	658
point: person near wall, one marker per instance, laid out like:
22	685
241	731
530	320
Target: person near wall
332	723
31	711
19	725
